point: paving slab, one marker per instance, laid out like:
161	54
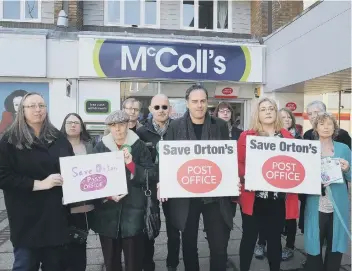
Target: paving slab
96	262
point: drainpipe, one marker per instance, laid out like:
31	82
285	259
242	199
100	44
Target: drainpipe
339	112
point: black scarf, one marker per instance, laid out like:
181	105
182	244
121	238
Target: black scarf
206	129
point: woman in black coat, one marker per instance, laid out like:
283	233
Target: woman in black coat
30	178
76	259
119	220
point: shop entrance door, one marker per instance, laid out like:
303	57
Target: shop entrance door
238	107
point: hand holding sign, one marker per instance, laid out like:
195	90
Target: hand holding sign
158	194
345	166
118	197
48	183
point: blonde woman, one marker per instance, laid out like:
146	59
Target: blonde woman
327	216
259	208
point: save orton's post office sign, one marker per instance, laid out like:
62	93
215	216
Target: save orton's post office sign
93	176
198	169
283	165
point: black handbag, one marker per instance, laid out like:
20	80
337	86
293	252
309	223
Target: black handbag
152	213
77	235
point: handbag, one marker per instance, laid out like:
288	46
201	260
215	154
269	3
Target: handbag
152	213
77	235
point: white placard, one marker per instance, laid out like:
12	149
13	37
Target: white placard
191	169
93	176
283	165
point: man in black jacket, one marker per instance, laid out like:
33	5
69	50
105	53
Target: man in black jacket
197	124
151	133
313	109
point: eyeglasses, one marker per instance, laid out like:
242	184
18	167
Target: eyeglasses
163	107
73	122
34	106
132	109
224	111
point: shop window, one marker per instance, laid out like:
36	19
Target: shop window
142	91
144	13
22	10
207	15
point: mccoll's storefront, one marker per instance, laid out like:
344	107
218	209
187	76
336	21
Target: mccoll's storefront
144	67
93	75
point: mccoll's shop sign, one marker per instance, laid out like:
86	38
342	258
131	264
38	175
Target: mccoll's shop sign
151	59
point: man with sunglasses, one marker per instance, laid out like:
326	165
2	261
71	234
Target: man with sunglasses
154	130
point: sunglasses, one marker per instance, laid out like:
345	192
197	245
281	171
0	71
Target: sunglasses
163	107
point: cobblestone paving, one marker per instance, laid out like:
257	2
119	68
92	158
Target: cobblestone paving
95	258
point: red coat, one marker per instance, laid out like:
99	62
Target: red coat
247	198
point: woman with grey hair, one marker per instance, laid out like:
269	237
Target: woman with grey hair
327	216
30	178
119	220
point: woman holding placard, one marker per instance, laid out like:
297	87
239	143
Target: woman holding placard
76	260
30	178
327	216
119	220
260	208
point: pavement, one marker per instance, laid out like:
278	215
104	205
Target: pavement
95	257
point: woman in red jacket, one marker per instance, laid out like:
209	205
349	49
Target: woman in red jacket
268	209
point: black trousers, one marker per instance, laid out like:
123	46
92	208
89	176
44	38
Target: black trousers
218	234
332	260
290	231
76	254
271	215
50	259
133	250
173	239
148	262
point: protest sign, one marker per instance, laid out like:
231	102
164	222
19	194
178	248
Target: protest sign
93	176
198	168
283	165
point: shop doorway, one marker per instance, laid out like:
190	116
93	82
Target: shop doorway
238	107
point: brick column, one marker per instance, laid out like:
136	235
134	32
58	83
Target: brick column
281	13
284	12
259	18
75	14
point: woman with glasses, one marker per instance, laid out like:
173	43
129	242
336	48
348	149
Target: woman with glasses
75	131
30	178
260	208
225	111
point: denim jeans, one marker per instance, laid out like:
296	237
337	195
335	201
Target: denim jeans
50	259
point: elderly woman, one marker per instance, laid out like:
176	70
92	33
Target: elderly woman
75	131
327	216
260	208
30	177
119	220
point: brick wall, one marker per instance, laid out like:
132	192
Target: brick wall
284	11
259	18
75	14
281	12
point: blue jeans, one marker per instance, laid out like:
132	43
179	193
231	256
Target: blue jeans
50	259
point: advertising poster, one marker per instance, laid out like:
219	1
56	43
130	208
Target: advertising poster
93	176
11	95
190	169
283	165
178	108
